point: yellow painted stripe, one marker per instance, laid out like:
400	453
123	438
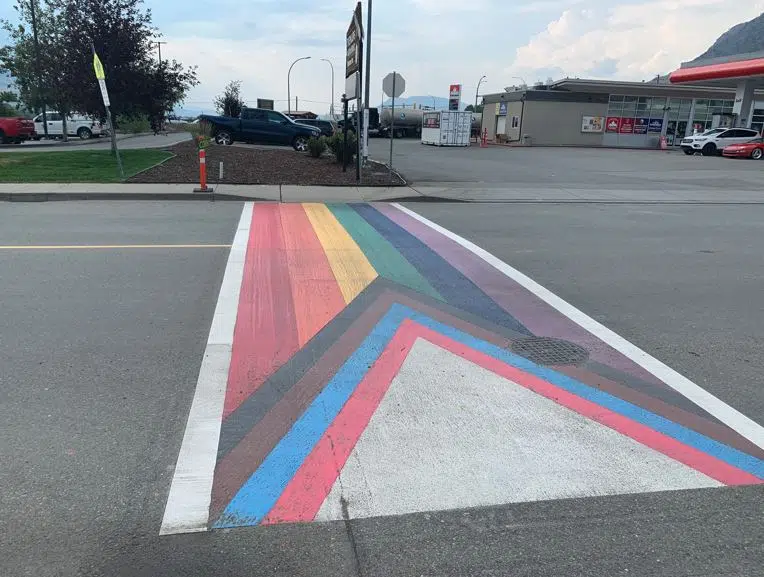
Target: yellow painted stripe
350	266
106	246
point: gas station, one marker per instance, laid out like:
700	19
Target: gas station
744	73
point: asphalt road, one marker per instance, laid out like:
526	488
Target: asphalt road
570	168
100	349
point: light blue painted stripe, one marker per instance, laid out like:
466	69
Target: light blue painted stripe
261	491
687	436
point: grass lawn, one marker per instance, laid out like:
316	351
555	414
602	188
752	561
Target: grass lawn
75	166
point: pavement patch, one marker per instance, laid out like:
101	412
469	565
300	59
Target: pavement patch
382	365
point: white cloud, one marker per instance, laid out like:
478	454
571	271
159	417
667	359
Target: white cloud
637	40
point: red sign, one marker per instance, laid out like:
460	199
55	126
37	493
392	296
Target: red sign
613	124
627	126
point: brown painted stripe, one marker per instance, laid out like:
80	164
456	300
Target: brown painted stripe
716	431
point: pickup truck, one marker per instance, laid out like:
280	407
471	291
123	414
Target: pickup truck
16	130
262	127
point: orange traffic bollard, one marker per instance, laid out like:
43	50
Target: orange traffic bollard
202	172
484	139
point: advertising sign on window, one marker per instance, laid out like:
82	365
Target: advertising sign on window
656	125
640	126
592	124
431	120
613	124
627	126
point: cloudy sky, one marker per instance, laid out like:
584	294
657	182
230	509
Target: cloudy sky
433	43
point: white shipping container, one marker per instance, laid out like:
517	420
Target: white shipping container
446	128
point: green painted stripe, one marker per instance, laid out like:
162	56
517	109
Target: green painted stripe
382	255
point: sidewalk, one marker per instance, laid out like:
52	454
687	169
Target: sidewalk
279	193
433	192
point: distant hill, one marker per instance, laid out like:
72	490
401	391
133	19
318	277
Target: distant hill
431	101
740	39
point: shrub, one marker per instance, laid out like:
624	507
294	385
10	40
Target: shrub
339	147
316	146
201	133
133	124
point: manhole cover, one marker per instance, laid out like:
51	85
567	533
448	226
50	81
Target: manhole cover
549	351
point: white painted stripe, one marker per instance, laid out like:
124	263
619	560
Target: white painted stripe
705	400
188	503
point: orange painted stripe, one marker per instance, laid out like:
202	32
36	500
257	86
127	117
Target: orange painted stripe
315	291
265	336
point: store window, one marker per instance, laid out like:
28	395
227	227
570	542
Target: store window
705	110
757	120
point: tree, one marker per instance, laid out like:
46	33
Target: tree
471	108
230	102
124	38
7	100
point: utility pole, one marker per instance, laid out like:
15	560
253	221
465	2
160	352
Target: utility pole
159	45
37	66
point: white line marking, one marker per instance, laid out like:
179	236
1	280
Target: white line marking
188	504
684	386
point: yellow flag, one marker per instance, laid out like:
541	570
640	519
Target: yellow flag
100	74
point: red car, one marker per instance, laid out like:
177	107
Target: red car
16	130
753	149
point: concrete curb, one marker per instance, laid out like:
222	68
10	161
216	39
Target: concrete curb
72	144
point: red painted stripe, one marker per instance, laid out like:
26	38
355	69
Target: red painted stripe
308	489
690	456
266	333
316	294
742	68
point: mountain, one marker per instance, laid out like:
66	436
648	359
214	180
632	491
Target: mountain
430	101
740	39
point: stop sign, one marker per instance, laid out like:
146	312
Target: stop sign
393	85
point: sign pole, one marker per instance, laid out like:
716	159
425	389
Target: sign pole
392	129
101	77
345	133
358	127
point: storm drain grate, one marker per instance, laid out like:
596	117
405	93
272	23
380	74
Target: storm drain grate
549	351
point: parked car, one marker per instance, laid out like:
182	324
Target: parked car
327	127
752	149
15	130
80	126
715	140
261	126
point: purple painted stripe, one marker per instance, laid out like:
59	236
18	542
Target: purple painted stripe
536	315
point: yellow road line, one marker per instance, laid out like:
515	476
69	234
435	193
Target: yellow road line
350	266
108	246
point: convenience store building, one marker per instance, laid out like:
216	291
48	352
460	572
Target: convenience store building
582	112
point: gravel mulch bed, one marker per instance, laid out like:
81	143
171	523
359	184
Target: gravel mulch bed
243	165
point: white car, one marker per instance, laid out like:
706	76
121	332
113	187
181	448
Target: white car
715	140
80	126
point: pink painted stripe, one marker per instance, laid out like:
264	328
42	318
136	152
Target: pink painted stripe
540	318
265	336
308	489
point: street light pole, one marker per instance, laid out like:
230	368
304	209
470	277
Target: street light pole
159	45
289	89
331	105
477	90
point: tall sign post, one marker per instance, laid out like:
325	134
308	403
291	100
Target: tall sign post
455	97
101	77
353	75
393	86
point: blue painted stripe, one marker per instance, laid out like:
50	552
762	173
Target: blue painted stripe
261	491
451	284
723	452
